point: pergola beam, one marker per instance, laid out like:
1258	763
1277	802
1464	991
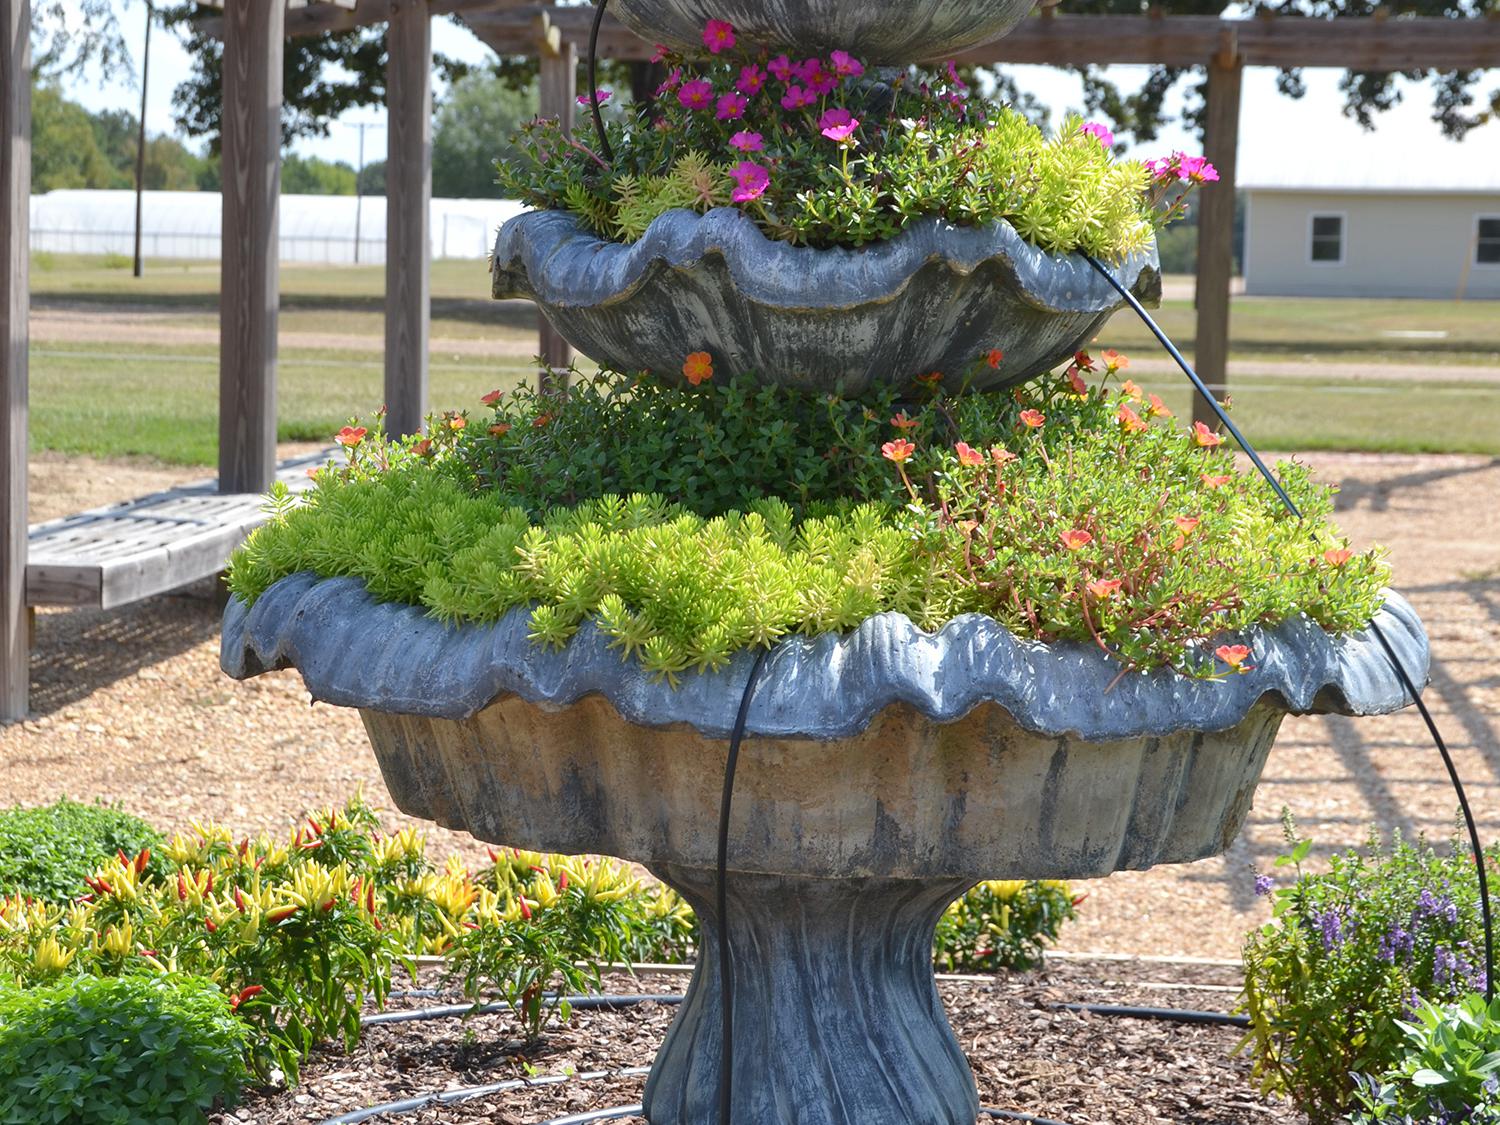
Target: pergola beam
15	257
318	17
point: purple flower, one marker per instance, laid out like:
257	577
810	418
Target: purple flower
781	67
846	65
839	125
751	181
1264	885
603	95
718	36
1336	927
748	142
798	97
1444	964
1396	942
752	81
732	106
1101	132
697	94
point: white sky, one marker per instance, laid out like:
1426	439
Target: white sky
1273	129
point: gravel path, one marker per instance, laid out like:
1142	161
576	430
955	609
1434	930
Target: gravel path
129	705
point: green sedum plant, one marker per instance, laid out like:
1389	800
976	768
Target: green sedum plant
1348	957
819	153
129	1050
46	852
1067	512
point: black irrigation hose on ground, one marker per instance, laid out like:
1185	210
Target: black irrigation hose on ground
1401	671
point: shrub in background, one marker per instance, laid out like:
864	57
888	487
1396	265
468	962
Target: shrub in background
142	1050
1446	1073
47	852
1002	924
1348	956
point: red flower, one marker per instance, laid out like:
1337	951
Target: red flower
1075	540
1337	557
350	436
1033	419
903	423
968	455
931	379
898	450
1105	588
699	368
1075	380
1234	656
492	398
995	358
1083	361
1130	421
1205	438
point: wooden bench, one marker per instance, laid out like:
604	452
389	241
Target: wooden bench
124	552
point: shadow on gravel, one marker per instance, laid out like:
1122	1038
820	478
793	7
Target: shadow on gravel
1376	492
80	651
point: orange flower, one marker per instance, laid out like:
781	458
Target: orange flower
903	423
1215	480
1158	408
1105	588
540	420
1002	455
500	429
931	379
967	454
1187	524
1034	419
1083	361
1130	389
350	436
699	368
898	450
1075	540
1130	421
423	448
1234	656
1114	361
457	422
1075	380
1205	438
995	358
492	398
1338	557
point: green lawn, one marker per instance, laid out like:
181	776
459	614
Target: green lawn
146	397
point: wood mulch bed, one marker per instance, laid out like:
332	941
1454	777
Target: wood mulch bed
1028	1056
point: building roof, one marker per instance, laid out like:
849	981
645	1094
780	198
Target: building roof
1471	167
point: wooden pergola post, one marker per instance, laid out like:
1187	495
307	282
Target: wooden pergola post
15	258
1221	138
559	99
251	272
408	237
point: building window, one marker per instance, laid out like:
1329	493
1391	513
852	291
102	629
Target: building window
1327	242
1487	241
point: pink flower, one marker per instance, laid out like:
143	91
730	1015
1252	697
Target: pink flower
823	83
1101	132
839	125
1197	170
718	36
751	181
752	81
732	106
808	69
968	455
781	68
748	142
846	65
661	54
672	82
798	97
697	94
952	69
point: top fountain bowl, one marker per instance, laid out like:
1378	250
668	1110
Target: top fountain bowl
877	31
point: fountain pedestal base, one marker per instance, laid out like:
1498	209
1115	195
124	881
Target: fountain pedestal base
837	1019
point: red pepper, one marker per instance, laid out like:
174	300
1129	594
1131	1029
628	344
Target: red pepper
245	994
208	924
141	860
525	910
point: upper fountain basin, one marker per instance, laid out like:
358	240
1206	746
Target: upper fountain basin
936	298
878	31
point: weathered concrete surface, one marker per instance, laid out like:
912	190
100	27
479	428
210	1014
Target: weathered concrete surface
837	1020
937	297
907	798
882	31
394	658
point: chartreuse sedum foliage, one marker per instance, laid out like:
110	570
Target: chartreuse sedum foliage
142	1050
1065	512
1349	957
1002	924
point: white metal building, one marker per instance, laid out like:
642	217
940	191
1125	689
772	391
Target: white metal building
314	228
1393	228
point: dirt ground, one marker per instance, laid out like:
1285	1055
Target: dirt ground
129	705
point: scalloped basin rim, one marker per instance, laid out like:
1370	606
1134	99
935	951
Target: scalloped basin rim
822	688
762	267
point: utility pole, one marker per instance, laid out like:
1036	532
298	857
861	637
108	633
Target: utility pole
140	143
359	190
